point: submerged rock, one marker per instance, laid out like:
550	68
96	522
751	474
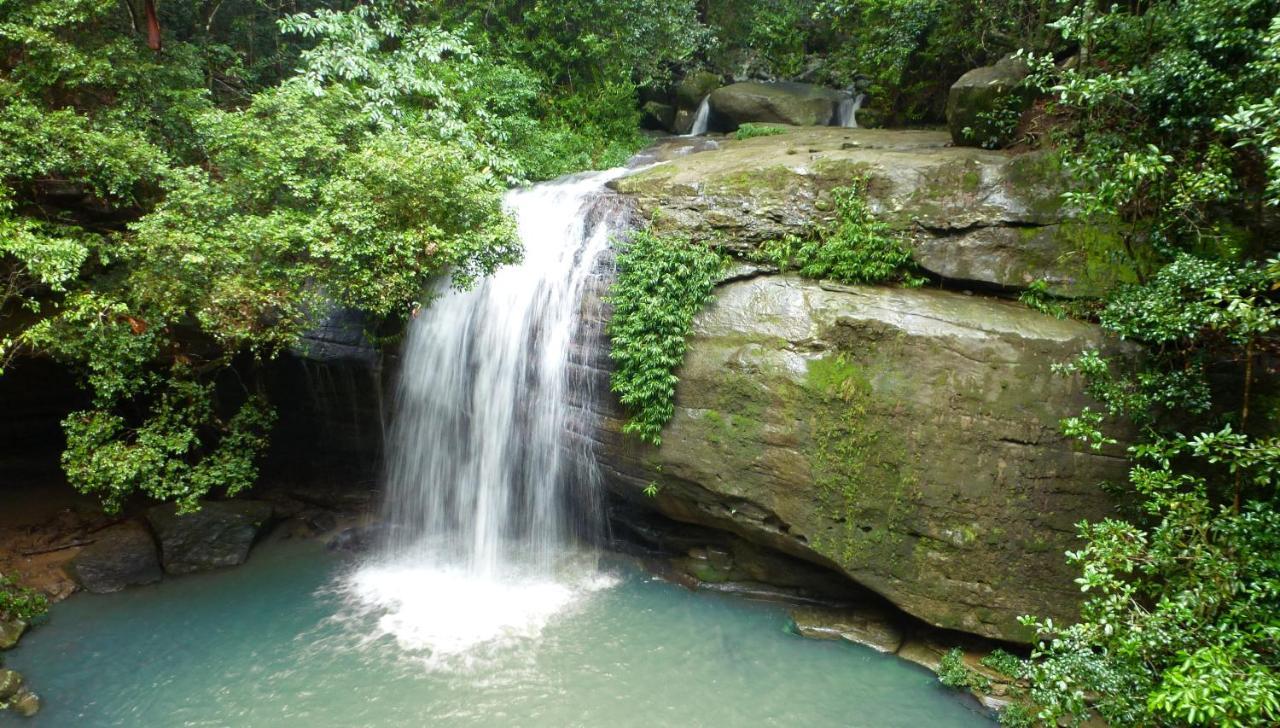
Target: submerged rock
25	703
782	102
862	625
907	437
120	556
16	696
10	683
219	534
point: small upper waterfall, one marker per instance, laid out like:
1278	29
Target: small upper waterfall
701	118
484	492
847	111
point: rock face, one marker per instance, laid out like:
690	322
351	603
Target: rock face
781	102
119	557
908	438
219	534
982	93
339	338
970	215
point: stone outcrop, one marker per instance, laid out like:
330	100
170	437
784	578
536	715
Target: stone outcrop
970	215
908	438
980	97
695	87
657	115
874	628
219	534
120	556
781	102
11	630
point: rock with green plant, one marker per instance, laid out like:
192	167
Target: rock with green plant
907	437
967	215
798	104
217	534
985	105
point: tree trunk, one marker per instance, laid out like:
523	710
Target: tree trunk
153	26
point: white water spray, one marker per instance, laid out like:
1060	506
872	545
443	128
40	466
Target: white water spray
847	111
485	491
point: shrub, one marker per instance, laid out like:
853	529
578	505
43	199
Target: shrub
662	282
855	248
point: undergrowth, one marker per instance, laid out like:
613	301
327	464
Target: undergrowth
855	248
749	130
662	282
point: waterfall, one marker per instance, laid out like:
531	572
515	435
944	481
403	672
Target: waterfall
485	492
847	111
701	118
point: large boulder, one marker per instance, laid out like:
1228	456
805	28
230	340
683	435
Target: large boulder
970	215
782	102
657	115
905	437
219	534
694	87
120	556
983	105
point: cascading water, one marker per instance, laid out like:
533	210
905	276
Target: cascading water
847	111
701	118
484	492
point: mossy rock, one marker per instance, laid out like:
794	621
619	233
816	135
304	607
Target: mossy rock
970	215
983	93
906	437
694	87
781	102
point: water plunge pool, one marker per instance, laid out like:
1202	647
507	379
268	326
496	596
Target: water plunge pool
286	640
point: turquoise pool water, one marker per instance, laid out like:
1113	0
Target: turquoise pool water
286	641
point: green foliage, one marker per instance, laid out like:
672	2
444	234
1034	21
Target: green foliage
1015	715
750	130
999	124
953	673
662	282
855	248
168	218
1036	296
1179	624
911	51
18	602
1170	133
1003	662
770	36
